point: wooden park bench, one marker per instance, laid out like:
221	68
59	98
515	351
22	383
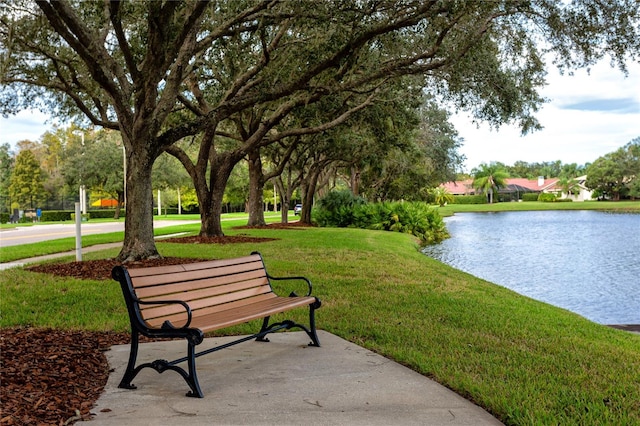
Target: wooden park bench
186	301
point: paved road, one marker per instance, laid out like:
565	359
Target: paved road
38	233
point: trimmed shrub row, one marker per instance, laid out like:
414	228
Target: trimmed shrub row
65	215
470	199
552	198
530	196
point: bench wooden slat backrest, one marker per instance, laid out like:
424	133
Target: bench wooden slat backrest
207	287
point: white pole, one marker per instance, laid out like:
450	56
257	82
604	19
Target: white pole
159	205
179	202
78	233
83	199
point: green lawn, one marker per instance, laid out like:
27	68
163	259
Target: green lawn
633	206
11	253
524	361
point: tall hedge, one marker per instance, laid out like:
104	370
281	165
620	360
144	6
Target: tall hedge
470	199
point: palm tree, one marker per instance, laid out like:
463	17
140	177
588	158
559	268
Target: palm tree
442	196
569	186
489	178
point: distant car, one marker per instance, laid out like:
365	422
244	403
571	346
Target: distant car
297	209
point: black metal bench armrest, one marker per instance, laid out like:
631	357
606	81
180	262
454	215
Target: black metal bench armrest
167	323
293	278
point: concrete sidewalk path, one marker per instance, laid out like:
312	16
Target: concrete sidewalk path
283	382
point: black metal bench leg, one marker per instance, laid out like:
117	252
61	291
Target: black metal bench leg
192	379
130	372
265	327
312	324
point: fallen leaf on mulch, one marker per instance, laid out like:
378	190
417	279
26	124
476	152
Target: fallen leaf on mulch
51	376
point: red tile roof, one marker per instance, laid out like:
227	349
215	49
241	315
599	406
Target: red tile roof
466	186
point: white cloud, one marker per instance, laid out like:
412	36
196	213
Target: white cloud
27	124
589	115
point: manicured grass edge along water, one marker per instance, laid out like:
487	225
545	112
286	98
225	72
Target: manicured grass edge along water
612	206
524	361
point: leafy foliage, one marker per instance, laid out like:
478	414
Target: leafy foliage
469	199
617	174
337	209
441	196
547	197
6	167
341	209
160	72
530	196
26	187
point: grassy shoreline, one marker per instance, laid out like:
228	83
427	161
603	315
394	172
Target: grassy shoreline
613	206
524	361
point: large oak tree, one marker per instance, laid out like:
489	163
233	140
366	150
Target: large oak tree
161	71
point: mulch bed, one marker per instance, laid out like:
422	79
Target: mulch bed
54	377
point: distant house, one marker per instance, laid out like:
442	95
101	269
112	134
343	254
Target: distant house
518	186
583	194
459	187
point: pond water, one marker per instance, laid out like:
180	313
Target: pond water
585	261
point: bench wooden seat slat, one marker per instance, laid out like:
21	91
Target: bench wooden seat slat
247	313
164	270
208	293
191	299
148	293
242	314
153	311
181	317
156	280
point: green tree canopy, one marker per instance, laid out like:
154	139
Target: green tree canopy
26	186
6	168
615	175
162	71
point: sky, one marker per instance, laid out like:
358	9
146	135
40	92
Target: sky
589	115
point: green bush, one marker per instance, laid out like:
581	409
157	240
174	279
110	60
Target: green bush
530	196
4	217
104	214
470	199
84	217
416	218
336	209
547	197
55	216
342	209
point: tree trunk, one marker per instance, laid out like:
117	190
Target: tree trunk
256	184
211	200
212	218
308	190
138	241
355	180
116	215
285	198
